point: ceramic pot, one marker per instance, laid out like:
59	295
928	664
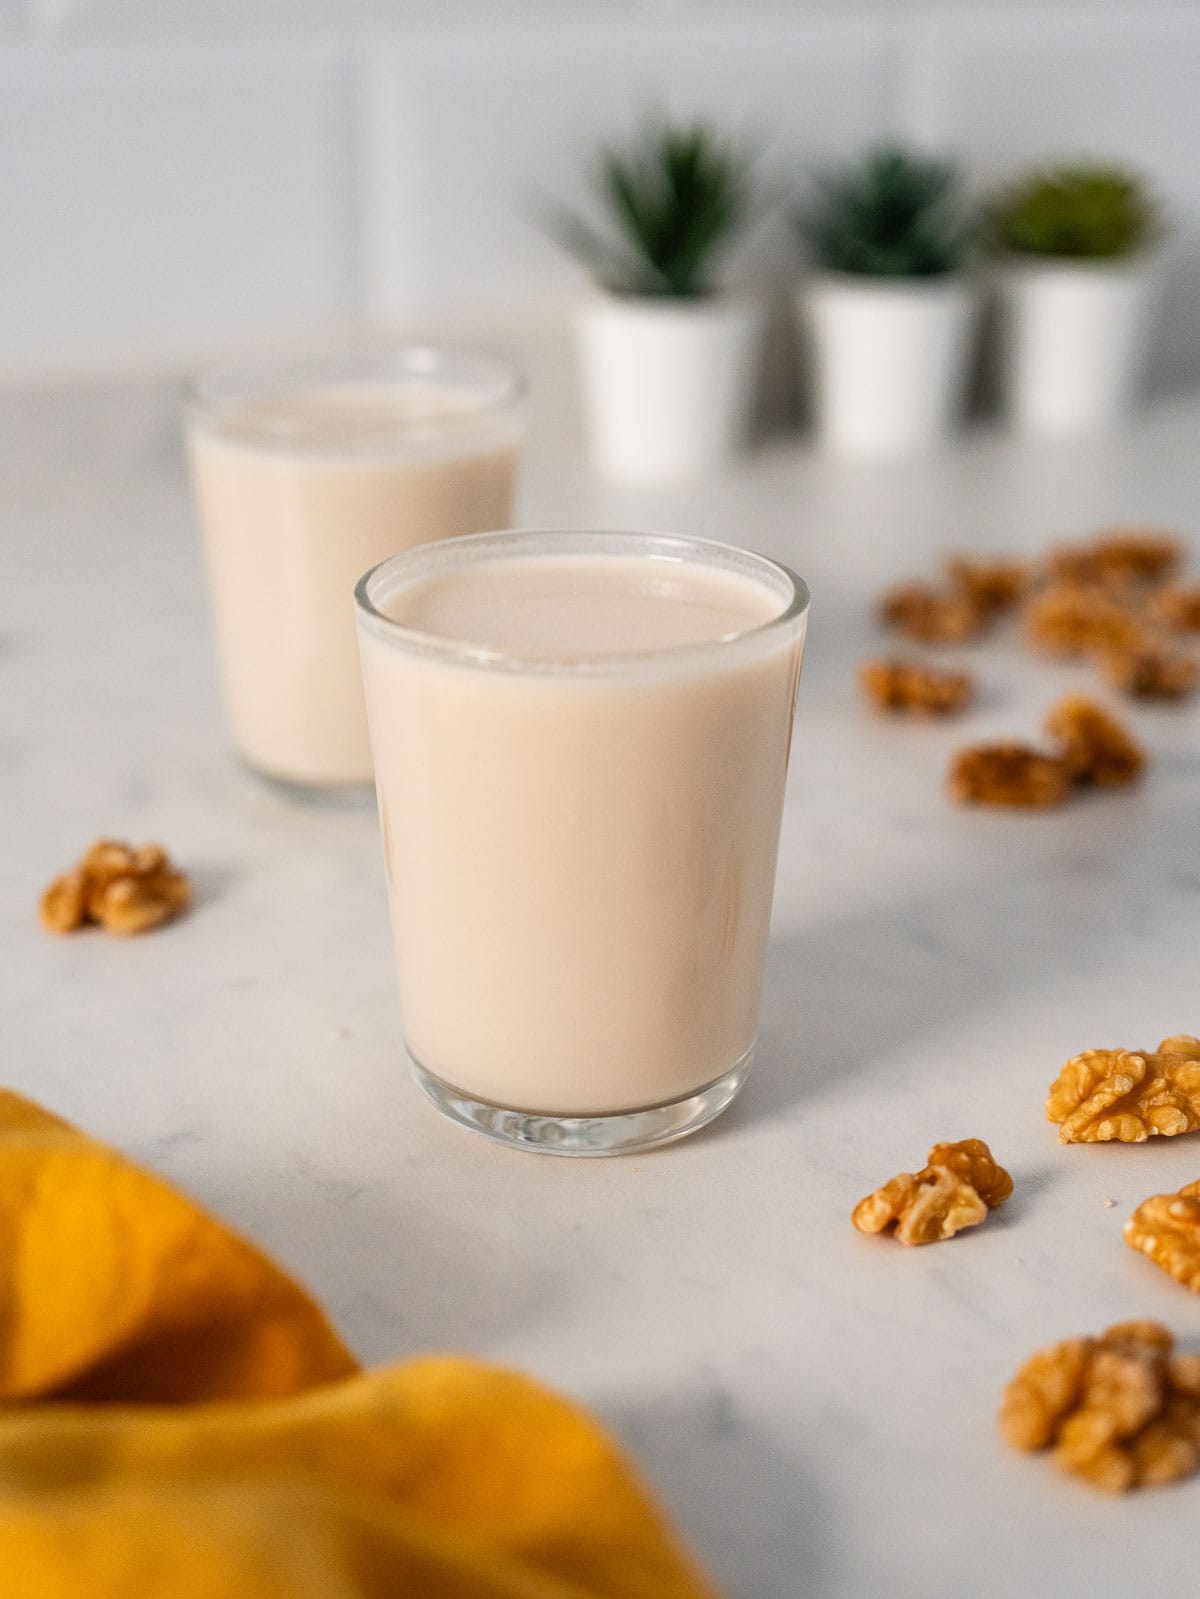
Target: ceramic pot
888	359
1073	341
668	385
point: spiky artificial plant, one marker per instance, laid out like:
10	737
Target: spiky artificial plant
672	201
889	215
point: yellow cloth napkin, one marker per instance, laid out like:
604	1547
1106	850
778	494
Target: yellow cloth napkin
239	1452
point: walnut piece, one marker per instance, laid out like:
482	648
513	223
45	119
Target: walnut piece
1095	747
1178	605
1077	618
930	615
1120	1411
64	904
991	584
1008	774
910	686
1166	1227
956	1188
1151	672
1128	1095
1045	1390
1119	557
1183	1044
972	1161
125	890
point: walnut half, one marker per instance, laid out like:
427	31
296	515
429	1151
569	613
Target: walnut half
1077	618
1009	774
912	687
931	615
957	1187
991	583
1119	556
1166	1228
1178	605
124	890
1151	672
1128	1095
1096	748
1120	1411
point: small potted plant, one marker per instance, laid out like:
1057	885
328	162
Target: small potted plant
668	362
1075	285
887	312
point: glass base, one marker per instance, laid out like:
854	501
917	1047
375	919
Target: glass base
622	1133
330	797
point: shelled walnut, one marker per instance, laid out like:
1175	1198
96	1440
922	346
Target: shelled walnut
1166	1228
1151	671
124	890
956	1188
1079	618
1178	605
931	615
1118	557
1096	749
1128	1095
1013	775
1121	1411
911	686
991	583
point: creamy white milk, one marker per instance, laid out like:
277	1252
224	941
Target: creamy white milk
580	849
299	491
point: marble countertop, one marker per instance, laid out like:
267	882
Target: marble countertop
816	1408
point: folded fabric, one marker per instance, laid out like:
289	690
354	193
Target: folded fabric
239	1451
114	1286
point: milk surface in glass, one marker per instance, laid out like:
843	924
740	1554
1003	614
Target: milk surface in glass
301	482
580	749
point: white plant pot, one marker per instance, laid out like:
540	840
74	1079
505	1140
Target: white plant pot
668	386
888	359
1074	337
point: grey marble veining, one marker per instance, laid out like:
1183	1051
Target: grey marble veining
816	1408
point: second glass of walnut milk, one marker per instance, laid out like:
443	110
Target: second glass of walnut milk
305	473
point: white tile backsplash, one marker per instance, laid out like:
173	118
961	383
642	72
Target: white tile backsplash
157	201
1002	91
466	138
176	174
90	19
225	18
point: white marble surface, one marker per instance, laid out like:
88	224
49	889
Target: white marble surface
816	1408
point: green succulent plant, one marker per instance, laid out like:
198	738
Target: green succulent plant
890	215
1085	211
672	201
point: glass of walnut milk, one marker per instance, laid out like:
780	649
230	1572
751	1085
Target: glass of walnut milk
580	744
304	474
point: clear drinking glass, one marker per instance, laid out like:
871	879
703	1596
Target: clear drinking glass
307	472
580	745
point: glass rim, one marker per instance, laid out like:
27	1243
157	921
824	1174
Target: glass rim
468	549
503	385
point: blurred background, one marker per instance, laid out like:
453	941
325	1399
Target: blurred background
180	178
